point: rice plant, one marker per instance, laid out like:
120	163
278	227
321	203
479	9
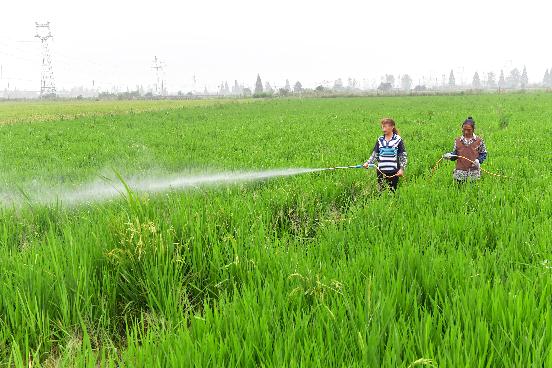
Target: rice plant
318	269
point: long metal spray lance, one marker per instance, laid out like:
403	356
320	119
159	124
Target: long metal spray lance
370	166
344	167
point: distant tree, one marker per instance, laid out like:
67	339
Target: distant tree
246	92
352	83
491	80
501	80
546	79
287	87
385	86
258	85
420	88
298	88
268	88
452	80
320	89
236	90
514	79
338	85
524	81
476	83
205	91
406	82
390	78
283	92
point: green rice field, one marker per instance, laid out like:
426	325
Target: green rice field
312	270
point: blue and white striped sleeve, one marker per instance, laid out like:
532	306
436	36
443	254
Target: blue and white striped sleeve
403	157
374	155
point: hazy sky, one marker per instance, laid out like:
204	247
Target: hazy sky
114	42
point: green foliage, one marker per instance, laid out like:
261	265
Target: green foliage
313	270
504	117
504	120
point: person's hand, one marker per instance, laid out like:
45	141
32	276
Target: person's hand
400	172
447	156
476	164
366	165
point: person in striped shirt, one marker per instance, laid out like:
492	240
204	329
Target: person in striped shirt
469	152
390	154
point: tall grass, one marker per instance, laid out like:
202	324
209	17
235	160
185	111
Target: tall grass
315	270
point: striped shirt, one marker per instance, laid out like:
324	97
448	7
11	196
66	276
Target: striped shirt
390	154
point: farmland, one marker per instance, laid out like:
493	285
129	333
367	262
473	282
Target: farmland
317	269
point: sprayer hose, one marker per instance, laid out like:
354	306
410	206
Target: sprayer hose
385	176
473	162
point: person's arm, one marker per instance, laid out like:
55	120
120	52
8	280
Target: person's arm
482	152
373	156
454	153
403	157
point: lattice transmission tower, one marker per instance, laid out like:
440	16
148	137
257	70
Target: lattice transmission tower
160	85
47	82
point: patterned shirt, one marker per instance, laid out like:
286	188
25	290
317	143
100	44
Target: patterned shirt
473	173
482	148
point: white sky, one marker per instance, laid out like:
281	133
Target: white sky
114	42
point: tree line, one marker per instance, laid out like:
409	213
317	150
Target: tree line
514	79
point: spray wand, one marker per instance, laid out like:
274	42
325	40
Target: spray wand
347	167
467	159
370	166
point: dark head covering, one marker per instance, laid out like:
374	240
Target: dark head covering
469	121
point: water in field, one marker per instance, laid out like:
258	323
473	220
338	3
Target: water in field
108	189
